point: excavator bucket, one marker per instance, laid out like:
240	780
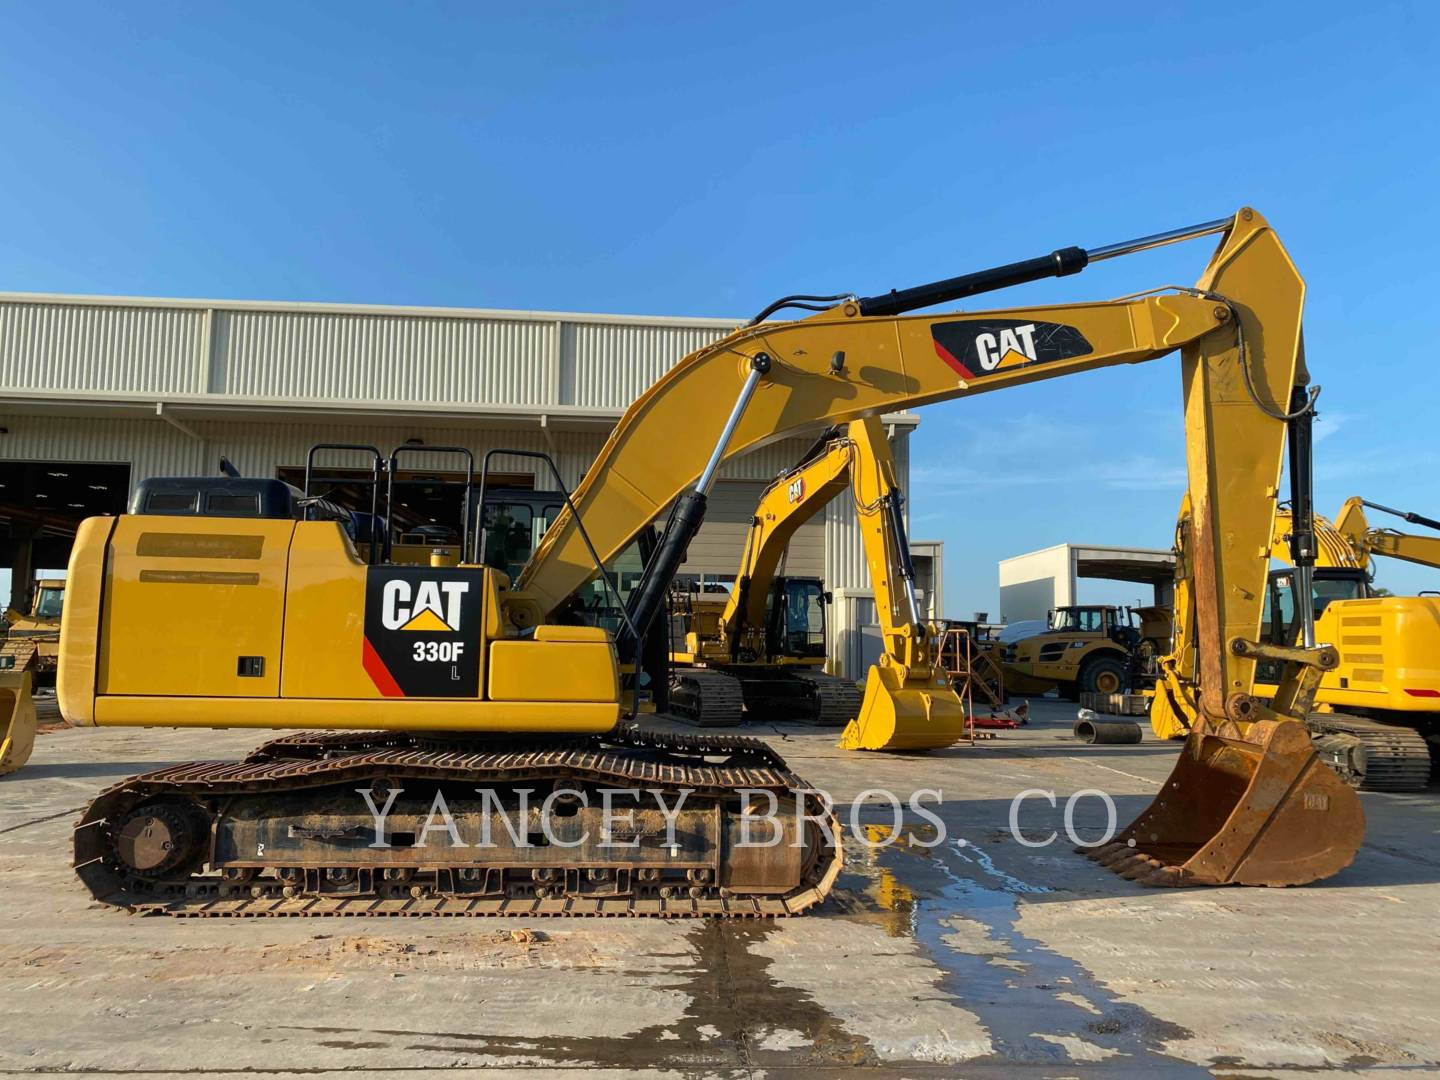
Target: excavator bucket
17	720
1262	810
1165	720
901	714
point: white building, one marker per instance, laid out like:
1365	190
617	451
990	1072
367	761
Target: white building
1032	584
97	393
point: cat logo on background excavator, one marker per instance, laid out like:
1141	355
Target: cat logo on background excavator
974	348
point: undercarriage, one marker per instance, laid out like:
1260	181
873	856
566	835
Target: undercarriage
376	823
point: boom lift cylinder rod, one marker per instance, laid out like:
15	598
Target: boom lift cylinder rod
1405	515
894	507
686	518
1302	509
1059	263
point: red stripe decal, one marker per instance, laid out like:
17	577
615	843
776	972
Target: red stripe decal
960	369
379	673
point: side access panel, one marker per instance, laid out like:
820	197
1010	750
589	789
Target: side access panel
193	607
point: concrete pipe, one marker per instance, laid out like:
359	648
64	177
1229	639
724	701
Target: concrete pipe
1095	730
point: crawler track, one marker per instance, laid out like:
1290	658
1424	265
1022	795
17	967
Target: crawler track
835	701
1370	755
707	698
183	841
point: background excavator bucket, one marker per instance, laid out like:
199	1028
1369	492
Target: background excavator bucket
900	714
17	720
1165	720
1262	810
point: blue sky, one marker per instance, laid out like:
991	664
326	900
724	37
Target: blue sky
700	160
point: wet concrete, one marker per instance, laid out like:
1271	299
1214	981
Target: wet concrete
976	956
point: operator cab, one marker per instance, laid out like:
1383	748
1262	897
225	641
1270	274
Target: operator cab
1279	624
512	521
1115	623
49	602
795	617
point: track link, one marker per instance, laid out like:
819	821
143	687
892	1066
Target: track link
1370	755
197	823
707	698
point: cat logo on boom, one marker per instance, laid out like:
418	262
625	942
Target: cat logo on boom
1020	339
975	348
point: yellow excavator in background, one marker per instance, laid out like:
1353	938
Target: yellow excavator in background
1377	712
1378	715
746	645
419	683
761	648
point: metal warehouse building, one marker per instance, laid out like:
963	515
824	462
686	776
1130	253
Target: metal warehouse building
102	392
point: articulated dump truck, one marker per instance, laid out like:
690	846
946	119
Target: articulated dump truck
508	695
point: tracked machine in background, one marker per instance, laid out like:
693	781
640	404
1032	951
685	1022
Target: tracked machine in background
1376	714
760	649
417	683
766	643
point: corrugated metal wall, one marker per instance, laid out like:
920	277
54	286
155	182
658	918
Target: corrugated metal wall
335	353
716	550
80	347
608	366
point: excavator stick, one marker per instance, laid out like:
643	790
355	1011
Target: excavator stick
901	713
1262	810
1249	801
17	720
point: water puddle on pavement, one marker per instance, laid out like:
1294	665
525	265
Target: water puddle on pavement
1038	1006
738	1017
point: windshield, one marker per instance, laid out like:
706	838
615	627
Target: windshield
1078	620
1328	589
49	602
804	618
1278	623
512	532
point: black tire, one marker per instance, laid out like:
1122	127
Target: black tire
1103	675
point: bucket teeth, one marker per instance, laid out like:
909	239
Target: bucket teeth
1116	857
1138	868
1168	877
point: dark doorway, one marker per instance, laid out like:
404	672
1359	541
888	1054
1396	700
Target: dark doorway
42	504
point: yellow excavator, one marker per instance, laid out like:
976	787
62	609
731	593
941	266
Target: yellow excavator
1378	712
1378	709
761	648
747	644
419	687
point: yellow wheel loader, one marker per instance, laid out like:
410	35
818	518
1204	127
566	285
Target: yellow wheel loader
418	688
28	658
